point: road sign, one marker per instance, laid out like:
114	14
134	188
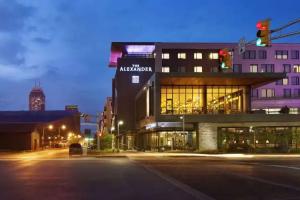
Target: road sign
242	46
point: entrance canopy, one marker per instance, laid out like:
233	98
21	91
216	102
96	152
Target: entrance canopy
224	79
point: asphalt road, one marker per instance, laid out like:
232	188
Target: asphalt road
53	175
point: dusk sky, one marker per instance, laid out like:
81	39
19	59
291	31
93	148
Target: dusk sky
65	44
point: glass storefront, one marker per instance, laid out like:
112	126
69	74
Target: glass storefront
171	140
201	99
259	139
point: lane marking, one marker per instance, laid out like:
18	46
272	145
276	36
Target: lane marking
193	192
265	181
284	166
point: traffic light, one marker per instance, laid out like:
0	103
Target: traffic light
263	33
225	58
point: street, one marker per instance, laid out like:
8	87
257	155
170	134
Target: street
51	174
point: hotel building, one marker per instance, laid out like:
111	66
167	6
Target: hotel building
175	96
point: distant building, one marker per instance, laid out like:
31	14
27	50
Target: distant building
106	117
37	99
71	107
31	130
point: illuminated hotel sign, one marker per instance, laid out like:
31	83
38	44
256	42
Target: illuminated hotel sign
135	68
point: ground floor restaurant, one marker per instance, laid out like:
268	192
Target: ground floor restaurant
223	138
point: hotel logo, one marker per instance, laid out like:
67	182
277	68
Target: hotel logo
135	68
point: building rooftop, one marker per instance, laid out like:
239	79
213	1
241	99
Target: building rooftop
34	116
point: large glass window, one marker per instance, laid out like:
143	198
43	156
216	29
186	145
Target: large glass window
181	99
224	99
191	99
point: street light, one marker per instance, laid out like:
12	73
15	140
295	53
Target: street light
63	127
119	123
50	127
182	118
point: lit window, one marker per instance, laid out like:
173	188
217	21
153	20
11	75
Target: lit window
198	69
267	93
135	79
165	69
165	56
281	54
285	81
213	56
253	68
181	55
297	68
197	56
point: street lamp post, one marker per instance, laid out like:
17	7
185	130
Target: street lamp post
183	123
119	123
112	138
50	127
63	127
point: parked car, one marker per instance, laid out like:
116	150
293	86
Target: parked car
75	149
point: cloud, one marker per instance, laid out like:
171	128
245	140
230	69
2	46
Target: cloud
19	73
11	51
41	40
13	15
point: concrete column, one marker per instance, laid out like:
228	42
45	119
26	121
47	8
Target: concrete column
208	136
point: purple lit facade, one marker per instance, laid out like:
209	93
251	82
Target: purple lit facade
277	58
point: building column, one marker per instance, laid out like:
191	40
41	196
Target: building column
207	137
204	99
246	99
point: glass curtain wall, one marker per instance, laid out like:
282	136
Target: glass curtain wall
177	100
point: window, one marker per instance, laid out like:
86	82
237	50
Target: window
237	68
165	56
165	69
198	69
296	68
281	54
285	81
249	54
267	68
287	93
135	79
295	80
197	56
262	54
279	82
286	68
213	56
297	92
253	68
267	93
295	54
254	93
181	55
181	69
